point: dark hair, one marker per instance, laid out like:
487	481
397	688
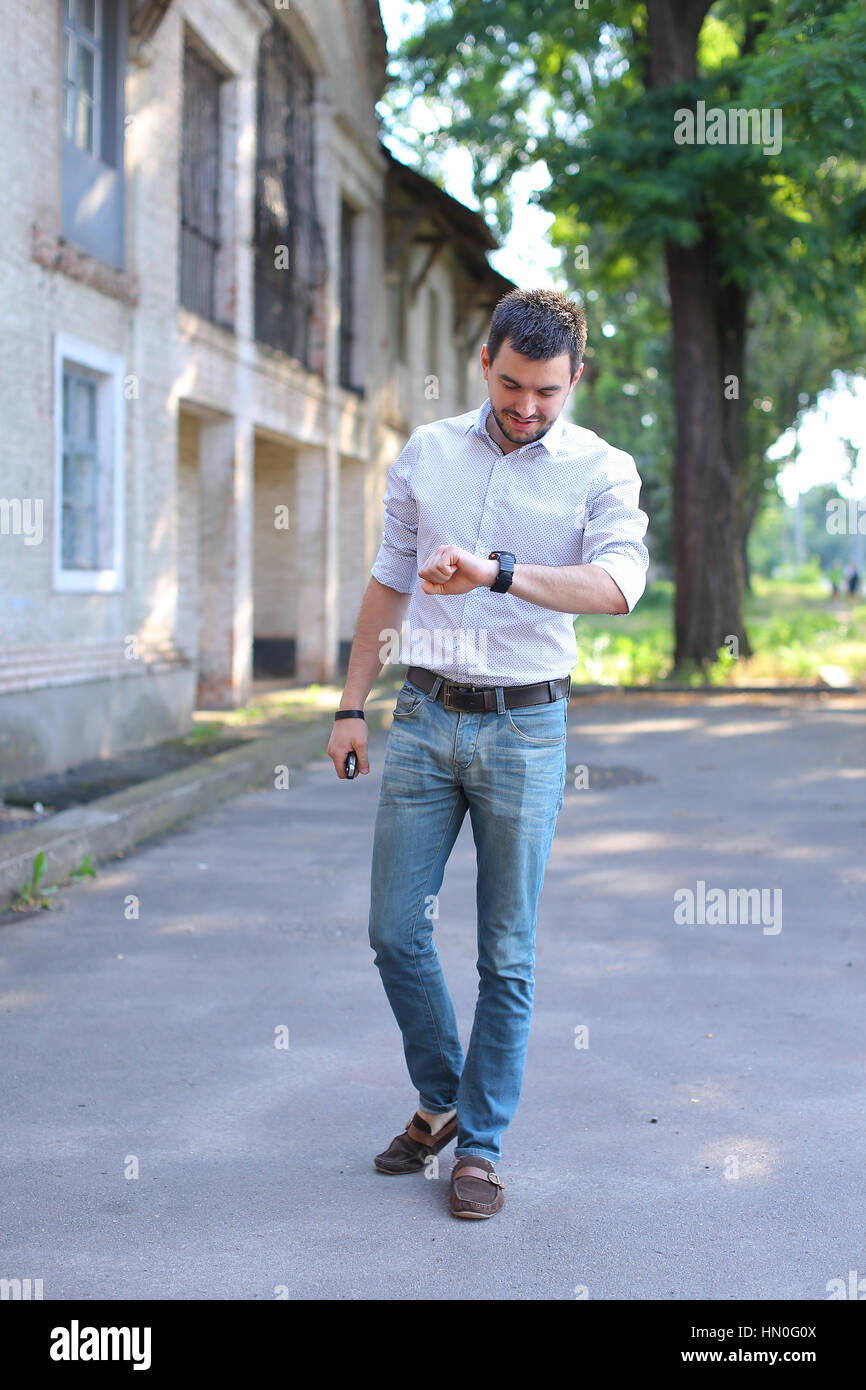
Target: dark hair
541	324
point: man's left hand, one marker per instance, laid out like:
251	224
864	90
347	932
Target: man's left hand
450	570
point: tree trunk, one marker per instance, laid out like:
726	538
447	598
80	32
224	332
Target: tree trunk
709	328
708	347
751	507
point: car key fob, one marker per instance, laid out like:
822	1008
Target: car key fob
351	763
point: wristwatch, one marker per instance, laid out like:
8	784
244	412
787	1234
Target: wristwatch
506	570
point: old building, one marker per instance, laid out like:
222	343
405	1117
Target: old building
225	306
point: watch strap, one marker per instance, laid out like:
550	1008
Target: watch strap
507	561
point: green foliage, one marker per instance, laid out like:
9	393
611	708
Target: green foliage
84	870
793	628
204	733
31	894
534	82
620	659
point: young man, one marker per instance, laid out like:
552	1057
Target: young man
503	525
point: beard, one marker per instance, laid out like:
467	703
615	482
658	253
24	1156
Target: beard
518	436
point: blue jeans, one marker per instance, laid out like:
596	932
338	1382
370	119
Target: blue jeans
507	767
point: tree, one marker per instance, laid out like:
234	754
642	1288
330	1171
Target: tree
608	97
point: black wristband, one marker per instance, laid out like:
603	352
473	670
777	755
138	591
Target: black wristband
502	582
349	714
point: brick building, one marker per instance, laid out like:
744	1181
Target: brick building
225	306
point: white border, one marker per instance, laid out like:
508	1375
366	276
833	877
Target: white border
112	435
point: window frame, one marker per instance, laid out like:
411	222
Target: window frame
286	306
79	36
192	233
111	452
92	184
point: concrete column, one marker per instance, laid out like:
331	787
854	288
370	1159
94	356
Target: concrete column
242	620
331	559
225	497
309	524
328	196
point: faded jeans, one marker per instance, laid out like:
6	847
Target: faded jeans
507	767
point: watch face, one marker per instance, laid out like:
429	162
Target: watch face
506	570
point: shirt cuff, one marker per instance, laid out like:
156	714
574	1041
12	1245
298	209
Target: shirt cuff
629	577
396	571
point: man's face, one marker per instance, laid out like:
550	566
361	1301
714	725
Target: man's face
526	396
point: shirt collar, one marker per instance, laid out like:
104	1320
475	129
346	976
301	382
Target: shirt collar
550	440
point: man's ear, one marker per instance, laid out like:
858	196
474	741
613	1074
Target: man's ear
576	378
485	360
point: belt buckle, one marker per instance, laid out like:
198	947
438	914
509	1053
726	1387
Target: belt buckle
447	687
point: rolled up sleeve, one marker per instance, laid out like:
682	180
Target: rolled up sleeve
396	564
615	526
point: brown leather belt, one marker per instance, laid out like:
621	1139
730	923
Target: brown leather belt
474	699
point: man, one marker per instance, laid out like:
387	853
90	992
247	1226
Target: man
520	521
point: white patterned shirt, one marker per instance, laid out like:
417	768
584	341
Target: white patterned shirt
567	498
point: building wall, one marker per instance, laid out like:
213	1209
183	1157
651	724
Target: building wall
216	427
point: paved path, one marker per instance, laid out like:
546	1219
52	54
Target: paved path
151	1040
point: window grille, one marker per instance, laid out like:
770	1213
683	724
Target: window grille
200	184
290	264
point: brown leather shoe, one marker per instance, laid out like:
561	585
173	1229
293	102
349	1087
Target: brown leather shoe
477	1191
407	1152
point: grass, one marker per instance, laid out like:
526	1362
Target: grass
293	705
794	627
32	894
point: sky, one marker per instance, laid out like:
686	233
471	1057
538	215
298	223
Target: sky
528	259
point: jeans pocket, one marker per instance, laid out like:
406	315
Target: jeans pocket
541	725
408	701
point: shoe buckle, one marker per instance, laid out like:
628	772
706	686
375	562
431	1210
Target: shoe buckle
495	1178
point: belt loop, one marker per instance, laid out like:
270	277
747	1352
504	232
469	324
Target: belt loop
550	690
500	700
434	690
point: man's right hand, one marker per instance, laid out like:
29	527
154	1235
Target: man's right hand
348	735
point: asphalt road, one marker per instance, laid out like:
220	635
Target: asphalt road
707	1142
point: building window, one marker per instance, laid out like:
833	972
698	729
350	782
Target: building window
92	75
348	296
200	184
290	264
89	467
82	73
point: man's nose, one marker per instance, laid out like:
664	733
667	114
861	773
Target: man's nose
525	407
